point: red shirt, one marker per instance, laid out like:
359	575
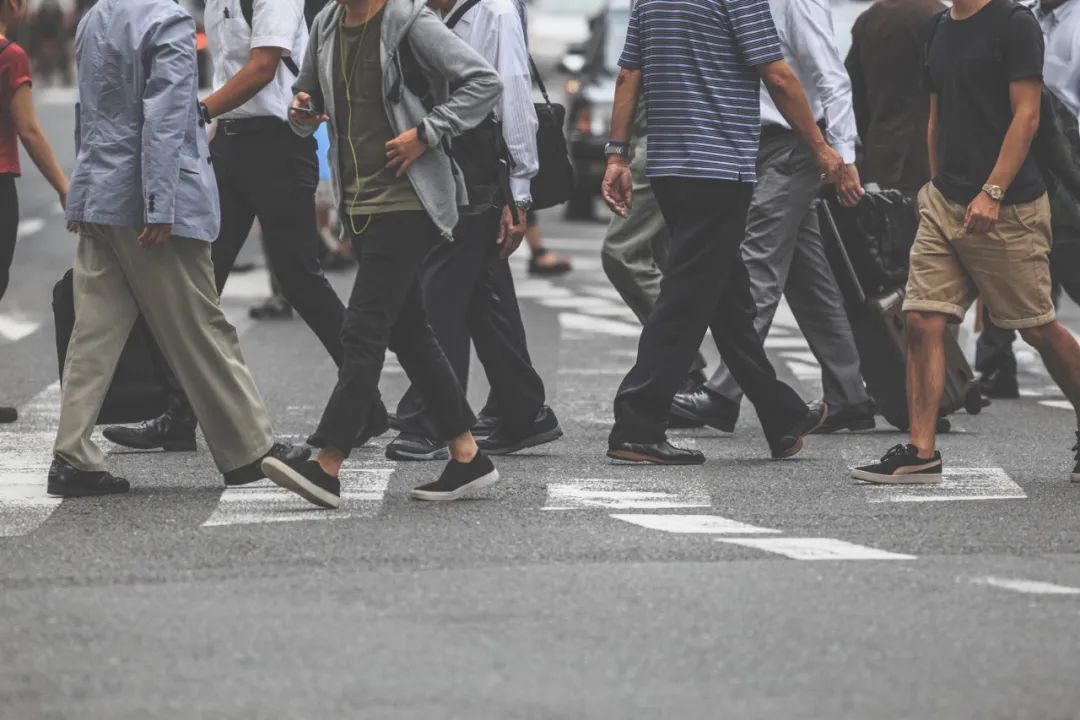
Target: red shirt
14	73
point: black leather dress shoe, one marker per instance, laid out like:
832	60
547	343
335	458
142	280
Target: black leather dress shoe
706	408
408	446
502	441
66	481
1000	384
292	455
663	453
792	441
392	422
171	432
485	424
854	419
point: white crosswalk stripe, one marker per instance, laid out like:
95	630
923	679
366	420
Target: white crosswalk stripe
694	524
25	455
815	549
599	493
958	484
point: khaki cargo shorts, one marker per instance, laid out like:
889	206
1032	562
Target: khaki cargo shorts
1008	267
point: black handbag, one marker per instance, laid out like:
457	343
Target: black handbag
554	184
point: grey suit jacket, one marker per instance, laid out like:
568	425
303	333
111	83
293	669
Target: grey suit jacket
142	153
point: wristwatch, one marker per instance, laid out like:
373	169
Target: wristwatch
204	113
616	147
523	205
994	191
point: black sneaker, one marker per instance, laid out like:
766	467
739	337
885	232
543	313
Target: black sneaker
459	480
902	466
1076	469
274	308
66	481
292	455
408	446
8	415
485	424
791	443
308	480
502	441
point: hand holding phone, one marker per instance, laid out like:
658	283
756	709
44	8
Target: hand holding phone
303	111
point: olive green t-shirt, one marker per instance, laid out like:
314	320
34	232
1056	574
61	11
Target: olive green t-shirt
368	188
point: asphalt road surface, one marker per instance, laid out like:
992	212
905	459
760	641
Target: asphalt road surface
577	588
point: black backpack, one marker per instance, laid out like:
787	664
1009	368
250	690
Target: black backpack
311	9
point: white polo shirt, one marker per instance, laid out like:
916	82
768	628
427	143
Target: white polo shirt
275	23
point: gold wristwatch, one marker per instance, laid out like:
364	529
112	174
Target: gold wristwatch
994	191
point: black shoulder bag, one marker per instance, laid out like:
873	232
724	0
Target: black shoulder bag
554	184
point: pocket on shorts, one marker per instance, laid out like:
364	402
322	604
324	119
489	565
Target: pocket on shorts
1034	218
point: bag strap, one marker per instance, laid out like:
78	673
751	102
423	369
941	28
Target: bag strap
454	19
539	81
5	45
247	9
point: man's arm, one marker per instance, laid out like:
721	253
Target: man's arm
260	70
168	103
618	186
791	101
932	135
519	120
308	91
1025	97
860	102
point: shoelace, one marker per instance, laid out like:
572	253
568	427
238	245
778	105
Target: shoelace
901	451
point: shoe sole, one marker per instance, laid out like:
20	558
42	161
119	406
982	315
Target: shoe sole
103	493
393	453
543	438
691	418
1075	477
628	456
285	477
484	481
912	479
801	442
135	445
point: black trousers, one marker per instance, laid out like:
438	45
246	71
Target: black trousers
9	228
469	293
994	349
386	310
706	286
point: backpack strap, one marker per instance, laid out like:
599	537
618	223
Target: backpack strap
247	9
454	19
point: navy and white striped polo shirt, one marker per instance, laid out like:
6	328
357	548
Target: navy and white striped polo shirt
698	59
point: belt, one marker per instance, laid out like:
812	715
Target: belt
771	131
245	126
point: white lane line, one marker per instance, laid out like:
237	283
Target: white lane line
694	524
1059	404
56	96
786	343
540	289
30	226
592	493
592	325
251	285
802	356
604	291
957	484
15	329
815	549
804	371
25	456
362	492
1028	587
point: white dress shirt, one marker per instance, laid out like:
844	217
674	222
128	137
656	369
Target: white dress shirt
1061	71
275	23
493	28
808	40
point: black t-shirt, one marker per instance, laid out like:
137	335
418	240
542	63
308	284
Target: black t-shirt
970	65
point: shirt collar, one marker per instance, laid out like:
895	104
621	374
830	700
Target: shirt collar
1058	14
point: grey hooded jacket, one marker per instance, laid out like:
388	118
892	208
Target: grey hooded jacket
445	60
142	155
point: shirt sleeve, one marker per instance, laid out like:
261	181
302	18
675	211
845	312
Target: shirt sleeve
631	54
14	72
274	23
518	114
1025	48
755	31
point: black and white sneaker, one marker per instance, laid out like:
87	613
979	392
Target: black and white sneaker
459	480
1076	468
902	466
308	481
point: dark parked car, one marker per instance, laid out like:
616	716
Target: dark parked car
589	94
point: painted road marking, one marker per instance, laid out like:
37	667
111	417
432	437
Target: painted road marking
15	329
25	457
694	524
786	343
30	226
362	493
957	484
1059	404
592	325
590	493
815	549
1029	587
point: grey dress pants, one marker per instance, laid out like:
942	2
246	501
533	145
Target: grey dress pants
783	253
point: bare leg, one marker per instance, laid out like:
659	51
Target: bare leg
1061	353
925	377
463	448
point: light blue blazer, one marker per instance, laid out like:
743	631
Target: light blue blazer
142	155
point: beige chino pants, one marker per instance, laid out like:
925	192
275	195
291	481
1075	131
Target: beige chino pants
173	287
